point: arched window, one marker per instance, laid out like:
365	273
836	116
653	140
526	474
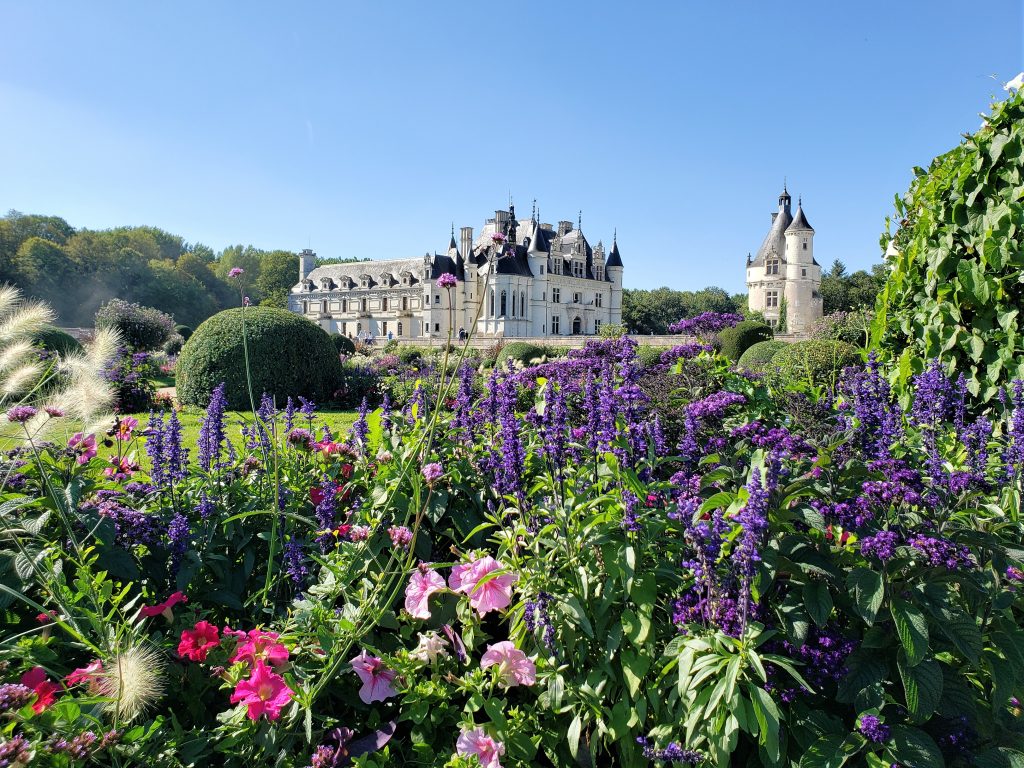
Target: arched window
359	328
522	304
362	305
405	305
399	327
491	308
384	304
513	303
504	304
344	305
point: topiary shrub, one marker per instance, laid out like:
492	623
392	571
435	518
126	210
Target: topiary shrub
141	328
288	356
184	331
737	339
815	362
521	351
57	341
343	345
757	357
956	282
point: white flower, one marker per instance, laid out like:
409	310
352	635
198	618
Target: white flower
1016	84
430	647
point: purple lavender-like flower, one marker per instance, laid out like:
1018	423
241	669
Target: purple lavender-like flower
307	407
671	753
509	481
360	429
14	696
873	729
629	519
177	536
386	422
400	536
881	545
1014	574
941	553
326	513
21	413
706	322
432	473
175	455
447	280
1013	454
289	414
16	751
879	421
301	438
266	411
295	562
206	507
684	352
155	449
537	617
211	432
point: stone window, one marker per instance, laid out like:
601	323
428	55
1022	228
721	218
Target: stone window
491	308
383	304
805	245
437	298
554	325
359	328
542	269
362	305
599	273
556	295
344	305
399	327
577	298
514	304
771	267
522	304
598	299
384	328
305	307
803	272
437	327
504	304
597	326
771	299
344	328
405	305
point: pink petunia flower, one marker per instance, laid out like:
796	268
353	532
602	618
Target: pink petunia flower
84	447
485	593
264	693
377	679
259	645
45	690
422	584
486	748
88	675
514	667
198	641
164	608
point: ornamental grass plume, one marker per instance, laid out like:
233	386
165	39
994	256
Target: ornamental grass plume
132	681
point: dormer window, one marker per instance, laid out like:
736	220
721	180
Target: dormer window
771	267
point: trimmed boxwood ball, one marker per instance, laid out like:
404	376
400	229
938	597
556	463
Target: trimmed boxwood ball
817	362
288	356
522	351
184	331
343	345
57	341
759	355
739	338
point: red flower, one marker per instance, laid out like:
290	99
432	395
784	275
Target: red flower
196	642
346	470
149	611
45	690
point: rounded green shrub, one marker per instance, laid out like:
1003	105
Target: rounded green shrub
816	362
409	354
184	331
521	351
141	328
288	356
758	356
343	345
956	282
57	341
736	340
173	345
649	355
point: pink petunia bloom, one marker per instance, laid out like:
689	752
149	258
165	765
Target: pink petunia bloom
45	690
486	748
259	645
89	674
164	608
197	642
264	693
84	447
422	584
376	678
125	427
514	667
485	594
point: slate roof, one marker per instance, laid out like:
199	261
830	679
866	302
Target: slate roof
800	221
775	240
614	259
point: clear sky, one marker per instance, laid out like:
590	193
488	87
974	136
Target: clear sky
366	129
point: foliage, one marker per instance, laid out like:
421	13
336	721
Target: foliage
651	312
185	331
173	345
408	353
757	357
520	351
142	328
736	340
852	327
814	362
612	331
649	355
130	375
57	341
343	344
783	324
843	292
954	290
287	356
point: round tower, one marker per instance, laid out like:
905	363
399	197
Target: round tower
803	275
613	266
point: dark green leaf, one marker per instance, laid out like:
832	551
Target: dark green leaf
868	592
818	601
914	748
922	685
912	628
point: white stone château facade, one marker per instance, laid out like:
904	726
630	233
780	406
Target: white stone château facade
784	271
548	282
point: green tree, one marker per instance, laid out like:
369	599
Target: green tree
279	271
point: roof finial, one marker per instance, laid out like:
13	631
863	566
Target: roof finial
615	235
453	229
534	214
579	221
784	184
800	201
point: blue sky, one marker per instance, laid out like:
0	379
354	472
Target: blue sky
365	129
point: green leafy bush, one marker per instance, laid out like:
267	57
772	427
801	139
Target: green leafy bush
814	362
185	331
737	339
141	328
174	344
851	327
409	354
55	340
521	351
955	289
288	356
649	355
343	344
757	357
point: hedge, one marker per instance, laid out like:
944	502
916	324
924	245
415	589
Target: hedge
759	355
288	356
817	362
743	335
523	351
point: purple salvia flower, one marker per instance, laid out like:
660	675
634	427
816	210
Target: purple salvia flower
175	456
177	536
211	432
360	429
294	560
873	729
289	414
155	449
385	415
307	408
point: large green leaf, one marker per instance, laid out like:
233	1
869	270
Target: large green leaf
913	748
922	685
868	592
818	601
912	628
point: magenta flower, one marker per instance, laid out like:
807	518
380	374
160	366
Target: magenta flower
84	447
514	667
376	678
432	472
422	584
54	412
236	272
264	693
198	641
485	594
486	748
125	427
447	280
258	645
497	237
400	536
149	611
89	674
21	413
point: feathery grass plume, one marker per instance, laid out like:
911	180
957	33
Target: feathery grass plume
132	681
16	354
22	320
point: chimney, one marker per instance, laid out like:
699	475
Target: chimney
500	221
466	238
564	228
307	261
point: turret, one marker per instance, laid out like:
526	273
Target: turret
613	266
800	239
307	262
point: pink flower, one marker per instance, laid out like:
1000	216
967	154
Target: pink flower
264	693
84	447
447	280
197	642
44	689
422	584
125	427
497	237
149	611
376	678
477	742
259	645
485	594
400	536
236	272
88	674
432	473
513	665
